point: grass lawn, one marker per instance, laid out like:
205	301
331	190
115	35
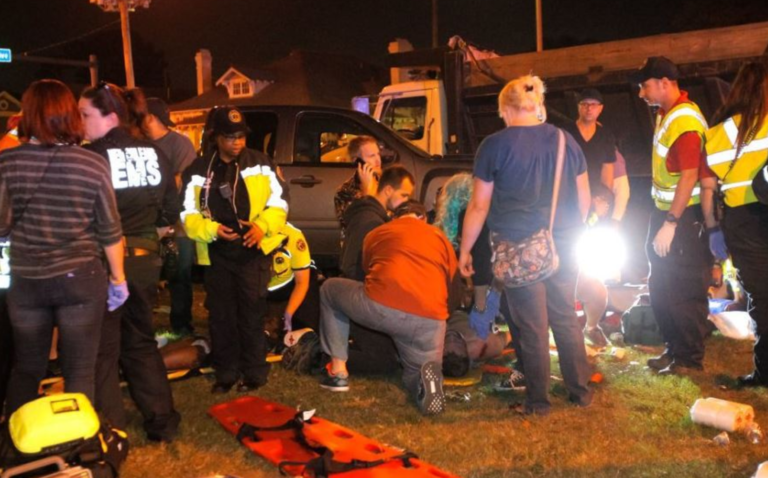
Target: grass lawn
638	426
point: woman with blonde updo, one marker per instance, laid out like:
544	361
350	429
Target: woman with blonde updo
514	180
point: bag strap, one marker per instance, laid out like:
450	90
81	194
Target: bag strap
558	175
39	182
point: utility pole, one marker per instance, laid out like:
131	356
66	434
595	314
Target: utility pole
434	24
124	7
539	28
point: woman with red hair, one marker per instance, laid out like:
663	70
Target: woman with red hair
58	206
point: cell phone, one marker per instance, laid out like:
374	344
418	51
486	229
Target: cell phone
361	162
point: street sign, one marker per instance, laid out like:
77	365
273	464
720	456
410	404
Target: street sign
5	55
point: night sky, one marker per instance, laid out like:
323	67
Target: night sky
255	32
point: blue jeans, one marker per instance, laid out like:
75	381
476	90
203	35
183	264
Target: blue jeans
180	287
418	339
74	302
534	309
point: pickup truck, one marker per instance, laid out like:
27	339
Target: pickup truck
309	145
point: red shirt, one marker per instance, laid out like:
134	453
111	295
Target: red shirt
687	152
409	266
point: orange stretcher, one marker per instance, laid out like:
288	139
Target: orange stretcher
301	444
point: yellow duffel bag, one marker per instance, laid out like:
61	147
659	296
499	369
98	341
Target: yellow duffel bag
51	424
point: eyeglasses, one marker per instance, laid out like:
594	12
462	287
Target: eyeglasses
233	137
584	104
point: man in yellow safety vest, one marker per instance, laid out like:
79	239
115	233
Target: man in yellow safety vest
676	248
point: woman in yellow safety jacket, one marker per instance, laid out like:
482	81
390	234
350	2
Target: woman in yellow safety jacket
737	149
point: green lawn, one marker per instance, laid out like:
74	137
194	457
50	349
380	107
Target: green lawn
638	426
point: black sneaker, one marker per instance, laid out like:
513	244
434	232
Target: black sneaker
752	380
220	388
248	386
661	362
334	383
431	400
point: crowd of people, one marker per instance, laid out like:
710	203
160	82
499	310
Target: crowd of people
90	188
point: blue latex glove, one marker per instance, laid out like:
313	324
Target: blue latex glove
287	322
717	244
117	294
481	321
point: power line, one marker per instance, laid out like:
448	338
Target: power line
80	37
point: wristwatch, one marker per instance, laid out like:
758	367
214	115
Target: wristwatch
671	218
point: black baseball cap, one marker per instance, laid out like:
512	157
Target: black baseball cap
591	94
159	109
226	120
657	67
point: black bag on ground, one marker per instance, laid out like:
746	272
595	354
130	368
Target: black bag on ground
638	324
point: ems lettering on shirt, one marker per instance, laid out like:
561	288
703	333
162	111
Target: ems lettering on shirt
134	167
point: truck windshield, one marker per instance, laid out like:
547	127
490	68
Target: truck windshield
406	116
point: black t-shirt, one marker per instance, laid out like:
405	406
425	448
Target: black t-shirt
142	177
520	161
599	150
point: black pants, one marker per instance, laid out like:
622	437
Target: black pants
678	286
6	348
180	286
74	302
746	235
308	313
236	301
128	344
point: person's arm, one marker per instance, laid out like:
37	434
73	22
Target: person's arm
300	289
477	212
115	254
171	207
708	192
272	218
196	225
663	240
606	175
620	188
584	195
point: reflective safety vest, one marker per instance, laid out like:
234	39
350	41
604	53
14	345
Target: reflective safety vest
683	118
736	174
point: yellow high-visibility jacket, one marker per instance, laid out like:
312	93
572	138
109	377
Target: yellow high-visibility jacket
683	118
736	174
266	193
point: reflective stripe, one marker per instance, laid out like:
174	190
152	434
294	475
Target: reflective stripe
276	197
731	130
765	173
742	184
190	201
662	150
676	114
669	196
730	154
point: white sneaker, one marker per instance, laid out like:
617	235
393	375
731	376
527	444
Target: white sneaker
516	382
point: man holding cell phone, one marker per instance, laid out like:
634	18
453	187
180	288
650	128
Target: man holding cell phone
235	205
364	151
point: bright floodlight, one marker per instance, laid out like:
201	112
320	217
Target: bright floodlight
601	253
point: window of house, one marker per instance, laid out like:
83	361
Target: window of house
241	88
